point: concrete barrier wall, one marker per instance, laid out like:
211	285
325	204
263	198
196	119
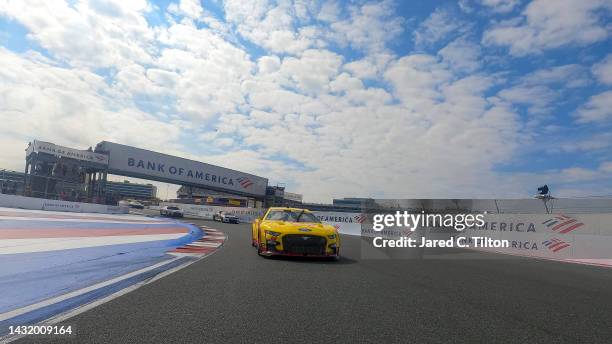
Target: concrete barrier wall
207	212
13	201
346	223
581	237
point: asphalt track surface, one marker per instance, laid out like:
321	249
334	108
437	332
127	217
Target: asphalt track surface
234	296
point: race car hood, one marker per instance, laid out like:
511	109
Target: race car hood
298	227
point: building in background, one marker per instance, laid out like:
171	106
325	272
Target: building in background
129	190
57	172
291	199
354	203
11	182
276	196
195	195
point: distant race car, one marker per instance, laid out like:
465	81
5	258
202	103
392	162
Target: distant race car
294	232
225	217
135	205
171	211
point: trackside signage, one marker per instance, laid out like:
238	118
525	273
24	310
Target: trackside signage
57	150
345	223
244	214
13	201
141	163
557	236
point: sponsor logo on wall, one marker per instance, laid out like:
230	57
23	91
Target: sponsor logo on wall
342	218
57	150
562	224
141	163
244	182
555	244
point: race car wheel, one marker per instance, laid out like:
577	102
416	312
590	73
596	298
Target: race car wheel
259	245
337	257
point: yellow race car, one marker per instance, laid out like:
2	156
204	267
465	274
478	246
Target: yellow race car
294	232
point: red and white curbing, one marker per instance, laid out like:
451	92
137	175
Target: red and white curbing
212	241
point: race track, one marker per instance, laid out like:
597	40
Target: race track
234	296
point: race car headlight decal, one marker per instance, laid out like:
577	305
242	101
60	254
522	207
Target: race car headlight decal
272	233
333	236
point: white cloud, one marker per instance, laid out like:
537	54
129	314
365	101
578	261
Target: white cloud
603	70
69	107
462	55
500	6
92	34
207	71
370	123
416	80
268	64
597	109
370	67
439	26
606	167
329	11
311	72
275	27
188	8
345	82
544	26
538	98
593	143
358	134
369	27
569	76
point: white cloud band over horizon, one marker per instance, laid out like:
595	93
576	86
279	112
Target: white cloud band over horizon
334	99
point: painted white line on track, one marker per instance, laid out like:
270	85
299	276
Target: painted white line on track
74	312
204	244
12	246
33	307
52	219
70	314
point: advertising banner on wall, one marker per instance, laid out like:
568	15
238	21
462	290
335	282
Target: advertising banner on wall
245	215
346	223
140	163
555	236
50	148
22	202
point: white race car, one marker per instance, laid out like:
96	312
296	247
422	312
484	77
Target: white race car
171	211
224	217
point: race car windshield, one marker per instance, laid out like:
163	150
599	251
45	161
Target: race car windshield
291	216
173	208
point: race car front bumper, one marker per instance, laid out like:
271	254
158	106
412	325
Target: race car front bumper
300	246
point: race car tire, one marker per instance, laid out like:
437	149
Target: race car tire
259	252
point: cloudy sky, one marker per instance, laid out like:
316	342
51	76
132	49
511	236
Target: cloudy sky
406	99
